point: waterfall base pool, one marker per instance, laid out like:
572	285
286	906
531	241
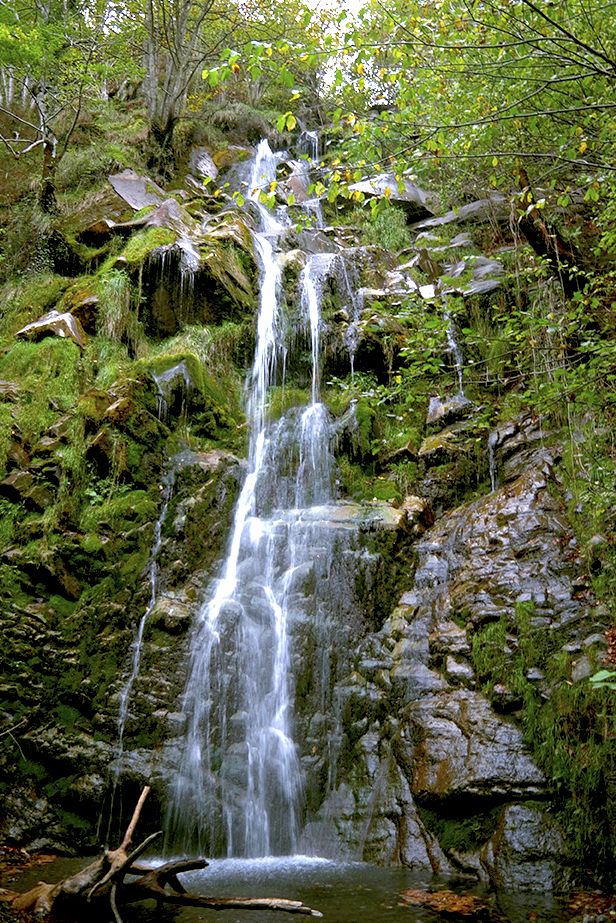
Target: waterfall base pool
343	892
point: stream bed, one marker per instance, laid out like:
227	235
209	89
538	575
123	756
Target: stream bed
343	892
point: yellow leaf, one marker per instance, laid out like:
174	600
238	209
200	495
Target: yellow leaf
583	147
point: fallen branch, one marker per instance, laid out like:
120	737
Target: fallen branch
104	879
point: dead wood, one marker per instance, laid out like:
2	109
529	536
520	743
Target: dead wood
105	879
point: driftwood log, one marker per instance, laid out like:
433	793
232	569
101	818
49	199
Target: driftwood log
105	879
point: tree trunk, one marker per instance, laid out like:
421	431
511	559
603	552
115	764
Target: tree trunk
47	195
547	242
160	154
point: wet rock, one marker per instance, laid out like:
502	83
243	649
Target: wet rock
448	410
201	164
447	638
30	822
503	549
85	311
526	852
417	203
494	208
412	680
230	155
459	672
581	669
16	486
534	675
171	614
137	191
39	497
417	515
453	743
440	448
57	324
74	750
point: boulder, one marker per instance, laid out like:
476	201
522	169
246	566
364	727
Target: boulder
56	324
495	207
454	744
137	191
417	203
9	391
201	164
449	409
526	852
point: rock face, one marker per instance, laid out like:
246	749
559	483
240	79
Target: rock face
525	852
406	665
413	712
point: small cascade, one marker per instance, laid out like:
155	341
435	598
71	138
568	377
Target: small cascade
311	287
166	384
308	144
492	443
454	347
299	181
353	301
190	261
137	646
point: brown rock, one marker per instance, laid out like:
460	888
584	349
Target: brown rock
9	391
16	485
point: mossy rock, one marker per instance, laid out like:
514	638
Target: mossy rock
145	242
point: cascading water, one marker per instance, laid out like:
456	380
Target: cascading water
239	786
165	383
492	443
453	346
137	647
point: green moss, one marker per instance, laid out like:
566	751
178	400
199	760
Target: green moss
282	399
144	242
354	481
64	607
117	315
108	361
120	512
30	298
457	830
385	489
9	514
48	376
491	653
570	732
211	402
66	716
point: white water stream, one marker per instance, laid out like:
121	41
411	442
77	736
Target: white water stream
238	790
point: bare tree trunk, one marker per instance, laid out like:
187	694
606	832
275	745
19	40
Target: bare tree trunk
103	880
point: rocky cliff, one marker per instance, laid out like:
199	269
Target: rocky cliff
443	705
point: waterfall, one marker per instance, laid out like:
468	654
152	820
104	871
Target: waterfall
165	383
238	790
492	443
137	647
454	347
